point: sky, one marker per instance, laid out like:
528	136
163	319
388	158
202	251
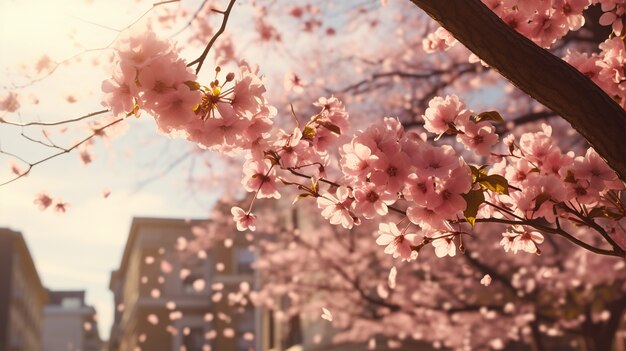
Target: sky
79	249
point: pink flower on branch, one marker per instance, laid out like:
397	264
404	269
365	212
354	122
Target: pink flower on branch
444	114
516	238
244	220
478	137
337	209
444	246
398	243
357	160
260	176
371	200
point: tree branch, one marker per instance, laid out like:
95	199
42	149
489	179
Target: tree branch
544	77
96	131
200	60
53	123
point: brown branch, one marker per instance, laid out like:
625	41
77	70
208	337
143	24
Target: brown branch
549	230
544	77
53	123
592	224
200	60
96	131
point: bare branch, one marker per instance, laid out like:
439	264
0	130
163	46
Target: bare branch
200	60
53	123
96	131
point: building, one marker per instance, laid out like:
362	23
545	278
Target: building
170	297
22	295
69	324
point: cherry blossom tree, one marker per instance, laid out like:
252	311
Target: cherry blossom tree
486	298
418	134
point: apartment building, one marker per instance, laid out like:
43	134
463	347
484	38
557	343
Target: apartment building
166	294
69	323
22	295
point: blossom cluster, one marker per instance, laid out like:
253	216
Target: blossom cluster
385	168
380	169
150	76
605	68
542	21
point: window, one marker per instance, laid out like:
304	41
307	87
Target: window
245	328
245	259
71	302
194	340
197	271
188	284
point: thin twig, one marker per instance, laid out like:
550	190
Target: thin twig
54	123
200	60
63	151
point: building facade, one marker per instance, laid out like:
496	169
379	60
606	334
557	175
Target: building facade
22	296
69	323
166	294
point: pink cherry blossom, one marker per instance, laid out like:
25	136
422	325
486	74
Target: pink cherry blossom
517	238
539	195
440	40
444	246
243	219
478	137
391	170
9	102
450	192
593	168
357	159
425	217
175	110
371	200
398	243
435	161
43	201
421	190
260	176
336	209
442	113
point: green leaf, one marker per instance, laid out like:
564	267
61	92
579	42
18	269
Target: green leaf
489	116
539	200
314	185
134	111
308	132
495	183
475	173
332	127
192	85
300	197
473	199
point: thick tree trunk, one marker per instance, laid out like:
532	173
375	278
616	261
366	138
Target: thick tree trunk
544	77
